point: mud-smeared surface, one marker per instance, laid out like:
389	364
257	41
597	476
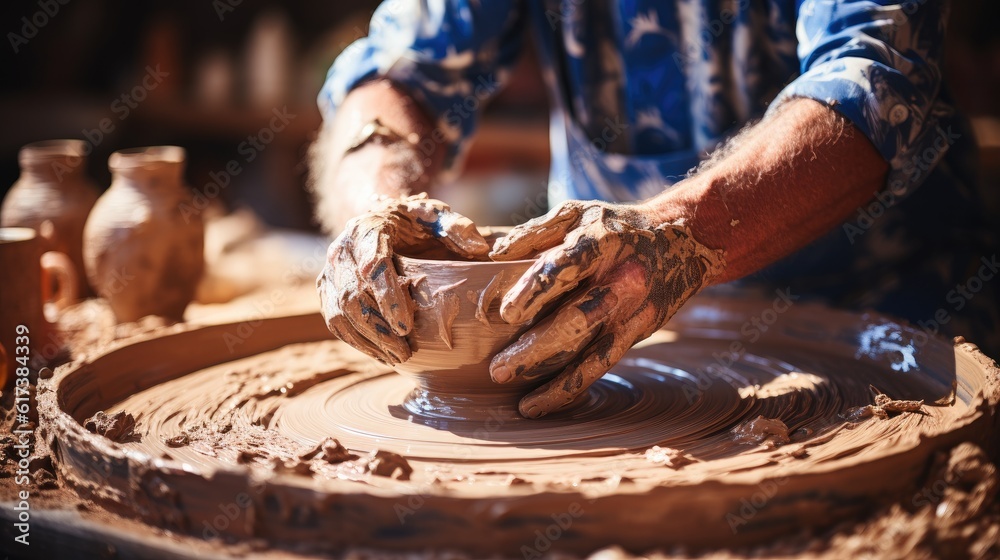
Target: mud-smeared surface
686	428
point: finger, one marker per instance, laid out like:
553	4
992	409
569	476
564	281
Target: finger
341	327
338	324
461	236
556	272
539	233
557	340
456	232
363	314
352	301
378	276
603	353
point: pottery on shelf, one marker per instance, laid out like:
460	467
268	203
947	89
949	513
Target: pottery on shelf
53	196
28	275
142	253
456	333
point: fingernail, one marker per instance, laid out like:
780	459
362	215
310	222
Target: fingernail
501	374
534	411
510	314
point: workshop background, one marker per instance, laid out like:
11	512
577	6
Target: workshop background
220	68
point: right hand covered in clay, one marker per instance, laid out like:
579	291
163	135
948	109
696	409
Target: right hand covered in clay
615	277
363	299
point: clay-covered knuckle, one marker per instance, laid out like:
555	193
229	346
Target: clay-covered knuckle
382	281
558	271
369	322
461	236
541	401
552	396
548	346
342	328
329	307
590	365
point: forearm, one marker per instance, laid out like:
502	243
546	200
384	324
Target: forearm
348	181
777	187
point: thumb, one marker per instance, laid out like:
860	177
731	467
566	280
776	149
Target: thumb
538	234
460	234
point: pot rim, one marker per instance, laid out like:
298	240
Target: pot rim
129	158
440	262
55	148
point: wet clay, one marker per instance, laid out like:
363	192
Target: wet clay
450	341
646	459
118	427
761	430
362	297
611	278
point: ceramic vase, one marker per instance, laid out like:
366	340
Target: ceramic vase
142	252
53	196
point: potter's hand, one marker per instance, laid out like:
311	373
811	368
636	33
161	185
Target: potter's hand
364	301
617	278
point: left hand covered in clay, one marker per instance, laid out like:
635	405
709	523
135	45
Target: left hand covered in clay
617	277
362	297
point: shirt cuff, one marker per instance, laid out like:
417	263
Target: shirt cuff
452	101
911	132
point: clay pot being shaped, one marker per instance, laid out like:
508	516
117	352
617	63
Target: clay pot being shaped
456	333
141	252
53	196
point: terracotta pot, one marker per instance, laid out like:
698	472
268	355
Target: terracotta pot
141	252
27	275
53	188
457	330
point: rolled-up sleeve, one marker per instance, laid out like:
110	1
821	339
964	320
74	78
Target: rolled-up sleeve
451	55
877	63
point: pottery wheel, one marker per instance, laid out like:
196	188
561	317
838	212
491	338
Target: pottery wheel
657	453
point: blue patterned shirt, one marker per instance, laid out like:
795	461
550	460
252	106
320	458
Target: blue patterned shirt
645	89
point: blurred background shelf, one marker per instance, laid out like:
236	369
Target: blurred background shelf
229	63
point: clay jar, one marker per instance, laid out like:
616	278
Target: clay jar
457	330
53	196
141	252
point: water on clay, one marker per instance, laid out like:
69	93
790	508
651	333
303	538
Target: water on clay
677	390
